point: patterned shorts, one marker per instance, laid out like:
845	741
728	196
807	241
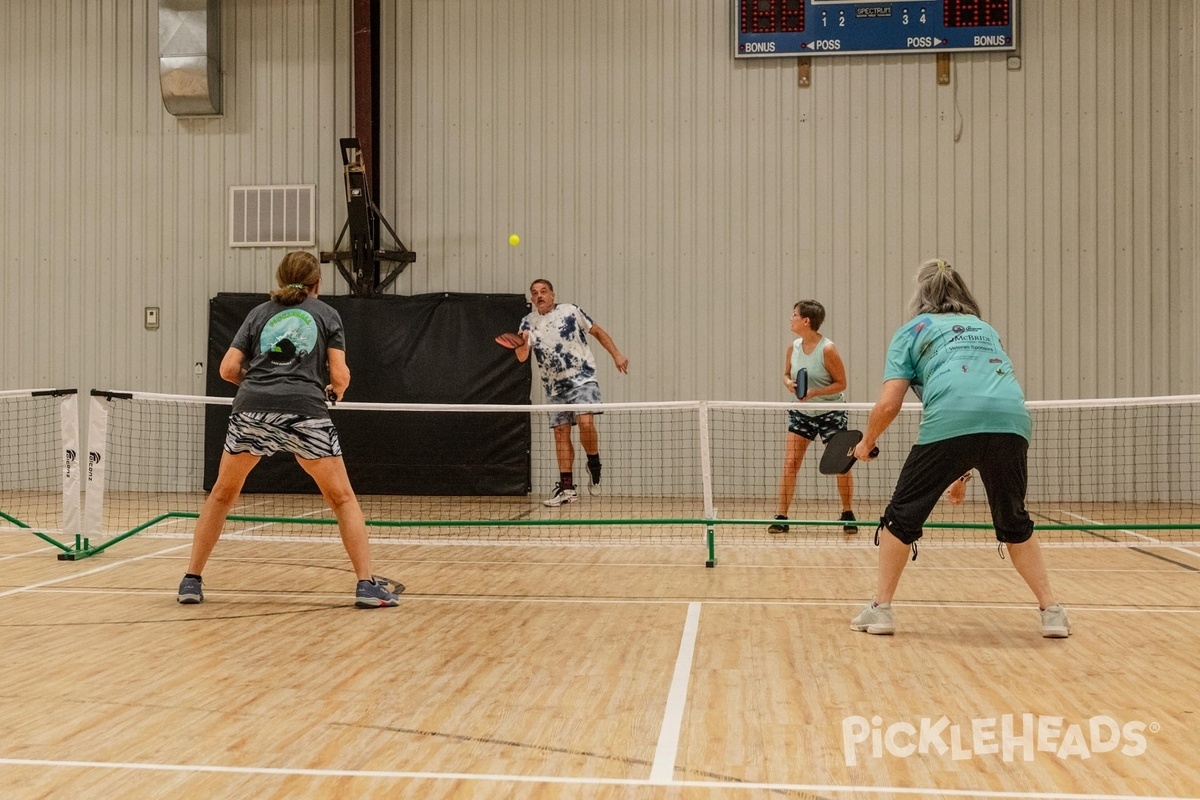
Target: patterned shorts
266	433
587	393
823	425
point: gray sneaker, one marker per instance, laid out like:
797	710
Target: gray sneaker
191	591
1055	624
373	594
875	619
561	496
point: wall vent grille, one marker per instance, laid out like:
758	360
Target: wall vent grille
272	216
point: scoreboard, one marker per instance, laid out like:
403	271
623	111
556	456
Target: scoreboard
774	28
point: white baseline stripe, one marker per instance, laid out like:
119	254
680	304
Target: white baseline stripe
75	575
663	769
656	601
26	553
1137	535
555	779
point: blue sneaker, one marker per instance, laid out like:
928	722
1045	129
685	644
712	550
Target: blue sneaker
373	594
191	591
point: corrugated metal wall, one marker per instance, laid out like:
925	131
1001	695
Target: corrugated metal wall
683	198
686	200
110	204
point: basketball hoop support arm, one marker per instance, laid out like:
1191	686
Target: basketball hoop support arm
360	265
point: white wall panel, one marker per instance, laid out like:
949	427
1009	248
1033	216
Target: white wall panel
110	204
685	199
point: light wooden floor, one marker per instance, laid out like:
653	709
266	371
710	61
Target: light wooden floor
575	672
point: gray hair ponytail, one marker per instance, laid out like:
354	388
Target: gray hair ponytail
941	290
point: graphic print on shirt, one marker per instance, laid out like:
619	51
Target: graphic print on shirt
288	336
560	345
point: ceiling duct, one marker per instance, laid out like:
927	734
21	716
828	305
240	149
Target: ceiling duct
189	45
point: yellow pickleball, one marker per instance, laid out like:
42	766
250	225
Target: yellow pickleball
514	240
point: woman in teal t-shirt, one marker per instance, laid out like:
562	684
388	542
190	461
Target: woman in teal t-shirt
974	417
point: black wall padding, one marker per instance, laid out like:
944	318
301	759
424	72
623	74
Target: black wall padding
434	348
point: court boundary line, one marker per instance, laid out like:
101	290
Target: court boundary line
1149	541
413	597
662	770
11	556
569	780
102	568
997	565
789	544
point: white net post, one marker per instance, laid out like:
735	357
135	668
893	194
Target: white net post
706	482
706	477
93	512
69	417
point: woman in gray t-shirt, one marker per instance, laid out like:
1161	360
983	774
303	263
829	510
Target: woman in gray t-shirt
278	360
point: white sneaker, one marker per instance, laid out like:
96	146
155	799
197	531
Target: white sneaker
1055	624
875	619
561	496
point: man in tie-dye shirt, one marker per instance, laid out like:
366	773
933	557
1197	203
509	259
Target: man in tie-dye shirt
557	334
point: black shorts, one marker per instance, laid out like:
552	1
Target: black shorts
929	470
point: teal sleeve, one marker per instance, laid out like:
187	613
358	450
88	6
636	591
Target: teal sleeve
899	363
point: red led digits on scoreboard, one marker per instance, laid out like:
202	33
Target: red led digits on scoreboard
772	16
975	13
